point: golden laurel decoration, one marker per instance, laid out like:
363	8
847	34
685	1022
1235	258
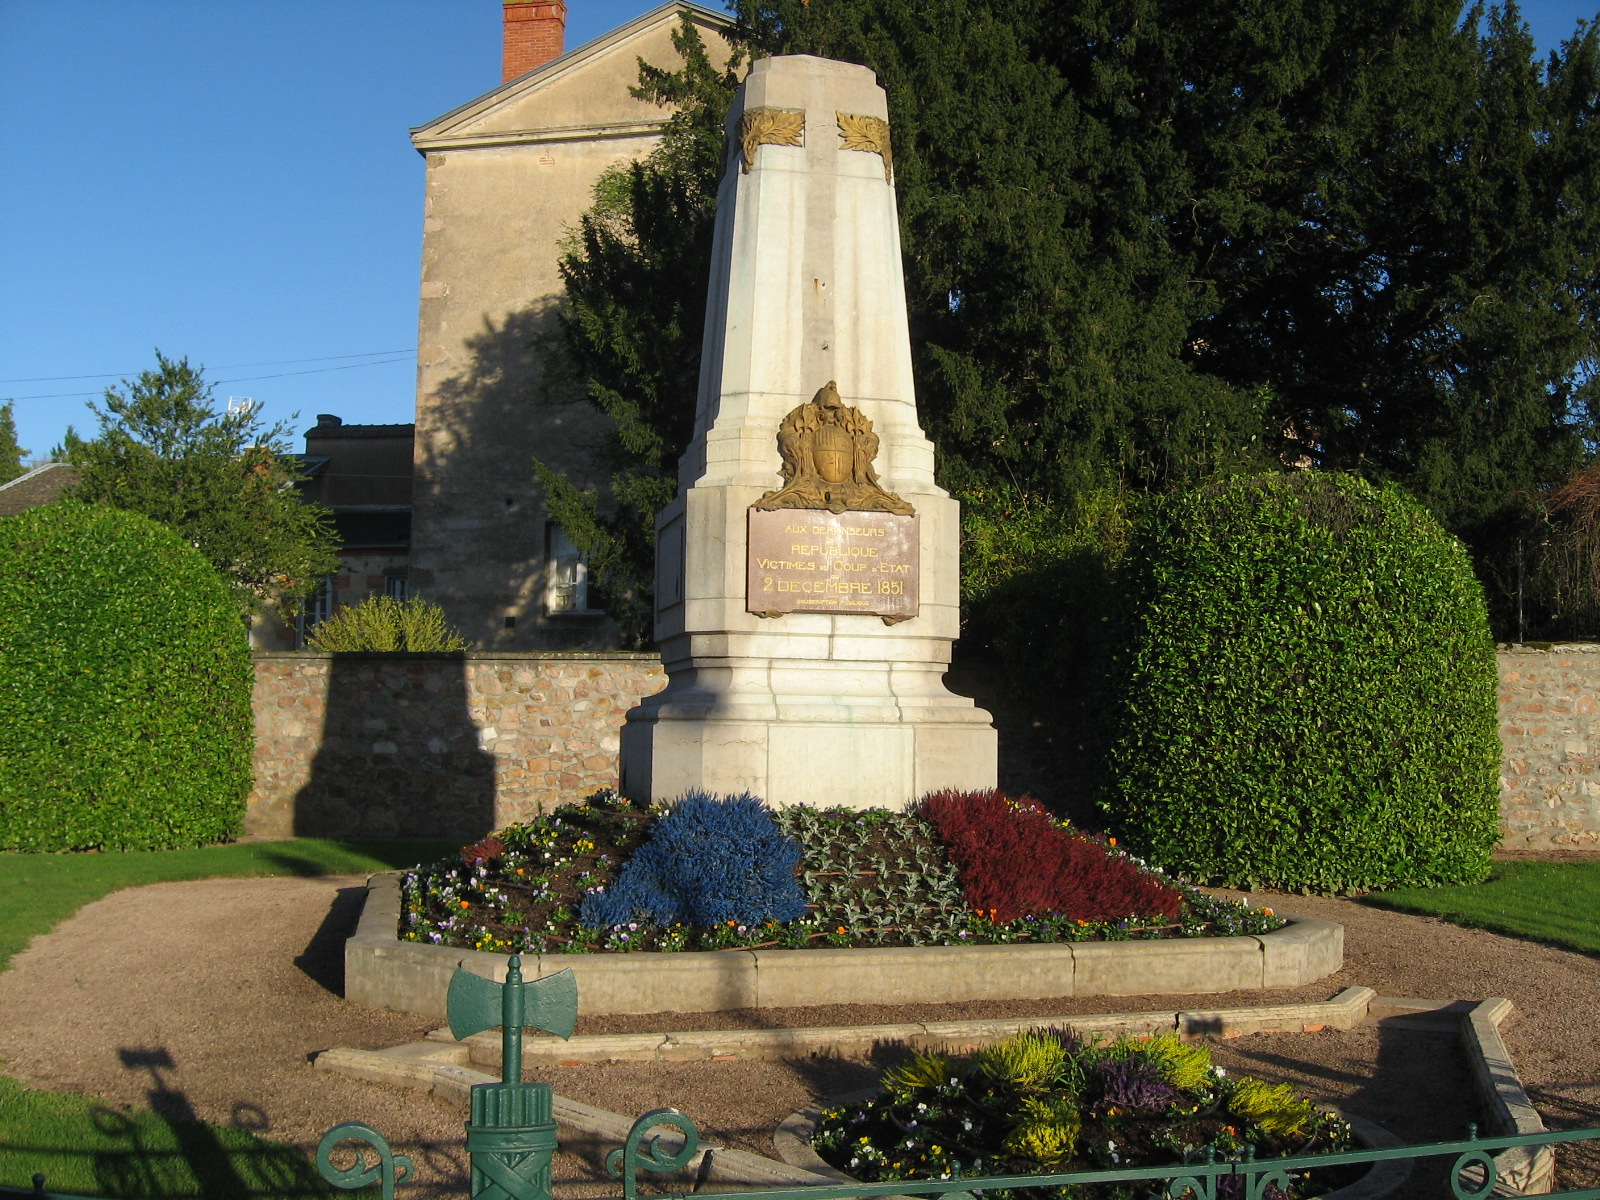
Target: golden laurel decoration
770	127
869	134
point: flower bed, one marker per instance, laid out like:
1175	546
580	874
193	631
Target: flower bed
558	883
1052	1101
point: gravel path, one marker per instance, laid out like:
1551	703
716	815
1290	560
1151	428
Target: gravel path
236	983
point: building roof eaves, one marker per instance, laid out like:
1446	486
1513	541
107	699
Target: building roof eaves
30	473
33	488
400	429
522	137
559	65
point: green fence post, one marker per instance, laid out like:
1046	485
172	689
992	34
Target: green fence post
511	1137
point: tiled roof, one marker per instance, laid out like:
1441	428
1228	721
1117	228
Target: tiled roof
361	431
42	485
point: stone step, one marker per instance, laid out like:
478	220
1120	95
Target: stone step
1345	1011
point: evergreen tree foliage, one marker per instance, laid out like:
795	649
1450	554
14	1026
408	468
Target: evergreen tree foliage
11	454
1050	312
1148	241
221	479
636	278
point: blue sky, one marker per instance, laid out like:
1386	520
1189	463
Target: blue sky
232	180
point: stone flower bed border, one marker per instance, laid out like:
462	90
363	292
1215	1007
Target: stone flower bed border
386	972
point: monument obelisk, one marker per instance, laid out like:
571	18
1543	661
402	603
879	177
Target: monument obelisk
807	579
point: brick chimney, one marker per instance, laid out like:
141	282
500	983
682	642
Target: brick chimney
535	32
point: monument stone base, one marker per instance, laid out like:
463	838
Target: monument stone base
849	761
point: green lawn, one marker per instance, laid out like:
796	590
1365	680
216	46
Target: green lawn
41	889
1552	902
85	1147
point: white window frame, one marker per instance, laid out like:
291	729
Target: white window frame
315	609
566	575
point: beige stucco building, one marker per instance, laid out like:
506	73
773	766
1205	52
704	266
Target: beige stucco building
508	175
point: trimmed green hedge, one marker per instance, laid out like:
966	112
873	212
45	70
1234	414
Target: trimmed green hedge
125	681
1306	691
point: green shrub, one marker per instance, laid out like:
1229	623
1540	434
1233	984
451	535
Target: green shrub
1272	1106
1038	586
384	624
1185	1065
1306	691
125	683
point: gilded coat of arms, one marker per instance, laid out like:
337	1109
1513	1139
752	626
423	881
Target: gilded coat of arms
827	450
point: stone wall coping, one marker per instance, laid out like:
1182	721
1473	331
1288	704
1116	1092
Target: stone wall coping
386	972
1548	648
1347	1010
461	655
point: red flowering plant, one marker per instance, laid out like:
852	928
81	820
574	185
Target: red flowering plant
1015	860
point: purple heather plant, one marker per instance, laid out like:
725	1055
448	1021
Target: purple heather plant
1131	1084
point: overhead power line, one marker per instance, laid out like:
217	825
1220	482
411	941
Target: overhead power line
388	362
277	362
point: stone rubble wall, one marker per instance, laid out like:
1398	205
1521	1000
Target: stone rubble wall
447	746
454	746
1550	729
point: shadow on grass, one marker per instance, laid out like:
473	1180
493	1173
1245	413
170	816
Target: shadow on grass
384	855
167	1153
263	1170
296	864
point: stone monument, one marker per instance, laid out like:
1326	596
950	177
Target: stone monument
807	579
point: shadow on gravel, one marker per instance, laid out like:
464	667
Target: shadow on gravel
826	1078
1577	1163
322	961
1417	1086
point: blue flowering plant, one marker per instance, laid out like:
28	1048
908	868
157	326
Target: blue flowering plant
520	890
710	862
1051	1100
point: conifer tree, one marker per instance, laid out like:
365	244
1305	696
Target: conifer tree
636	279
11	454
1147	241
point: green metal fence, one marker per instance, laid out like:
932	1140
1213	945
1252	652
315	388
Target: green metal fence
527	1177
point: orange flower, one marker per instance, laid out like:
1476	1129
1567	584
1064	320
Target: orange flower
465	904
841	929
1113	841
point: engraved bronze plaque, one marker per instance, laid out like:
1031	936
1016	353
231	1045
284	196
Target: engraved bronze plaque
810	560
